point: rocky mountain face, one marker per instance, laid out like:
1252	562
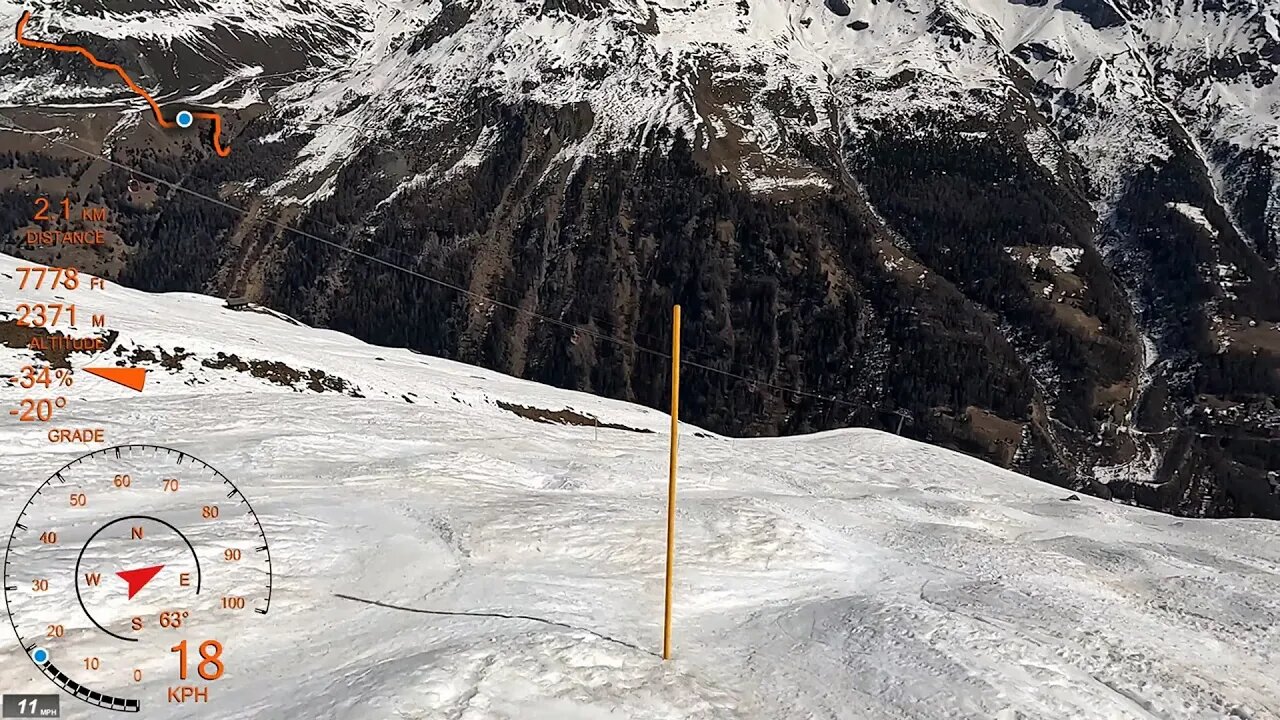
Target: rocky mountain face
1044	232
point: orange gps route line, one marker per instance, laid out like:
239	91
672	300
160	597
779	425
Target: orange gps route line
217	119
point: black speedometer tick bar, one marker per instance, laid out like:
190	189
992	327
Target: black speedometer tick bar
92	697
43	607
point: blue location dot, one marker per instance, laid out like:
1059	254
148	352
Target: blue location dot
184	119
40	655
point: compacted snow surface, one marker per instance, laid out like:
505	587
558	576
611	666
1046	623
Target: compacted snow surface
848	574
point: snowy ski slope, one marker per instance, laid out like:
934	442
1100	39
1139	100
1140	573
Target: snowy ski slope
848	574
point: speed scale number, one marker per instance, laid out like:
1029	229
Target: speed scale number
131	560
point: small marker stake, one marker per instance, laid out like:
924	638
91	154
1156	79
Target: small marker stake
671	482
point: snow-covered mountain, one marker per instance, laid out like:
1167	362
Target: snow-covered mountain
1046	229
847	574
761	74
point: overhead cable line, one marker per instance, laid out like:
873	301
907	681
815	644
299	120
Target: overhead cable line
630	344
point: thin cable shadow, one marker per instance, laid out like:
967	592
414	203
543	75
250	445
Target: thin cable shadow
505	616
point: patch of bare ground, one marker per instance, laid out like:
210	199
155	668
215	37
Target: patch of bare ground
1255	338
1077	321
1118	447
161	357
105	260
1112	401
142	194
1259	415
45	169
14	335
253	247
987	432
1061	291
281	374
25	180
88	127
721	102
563	417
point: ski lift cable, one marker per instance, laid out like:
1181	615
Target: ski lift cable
13	124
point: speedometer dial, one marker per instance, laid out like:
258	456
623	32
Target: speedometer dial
130	571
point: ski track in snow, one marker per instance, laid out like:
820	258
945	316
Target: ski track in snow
848	574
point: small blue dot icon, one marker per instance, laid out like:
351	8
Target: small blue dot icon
184	119
40	655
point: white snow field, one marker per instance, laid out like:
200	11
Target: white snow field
848	574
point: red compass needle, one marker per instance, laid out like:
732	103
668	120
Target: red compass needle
138	579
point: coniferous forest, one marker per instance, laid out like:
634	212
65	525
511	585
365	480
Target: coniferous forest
924	290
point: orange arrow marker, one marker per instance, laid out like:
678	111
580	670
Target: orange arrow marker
139	578
130	377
